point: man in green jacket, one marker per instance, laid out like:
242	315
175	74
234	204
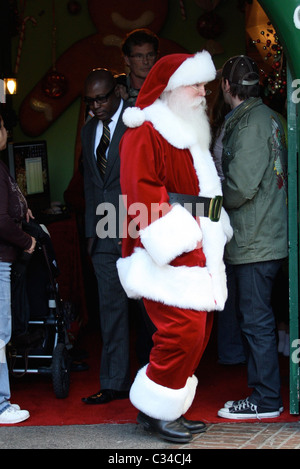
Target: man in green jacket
255	197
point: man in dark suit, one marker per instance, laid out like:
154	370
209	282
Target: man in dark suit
103	204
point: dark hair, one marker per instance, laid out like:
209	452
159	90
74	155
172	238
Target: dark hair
138	37
218	111
121	79
242	74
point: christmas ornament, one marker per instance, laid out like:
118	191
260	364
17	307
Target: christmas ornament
54	84
271	50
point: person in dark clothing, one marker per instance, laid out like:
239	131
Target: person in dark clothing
13	209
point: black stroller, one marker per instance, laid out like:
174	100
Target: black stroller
40	319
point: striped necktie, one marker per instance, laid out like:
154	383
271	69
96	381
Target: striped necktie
102	147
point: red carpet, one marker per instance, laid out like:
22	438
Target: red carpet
217	384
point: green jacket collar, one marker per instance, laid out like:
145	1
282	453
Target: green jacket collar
236	115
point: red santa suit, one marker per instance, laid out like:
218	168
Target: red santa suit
171	259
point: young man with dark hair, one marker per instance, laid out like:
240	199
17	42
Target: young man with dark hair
254	191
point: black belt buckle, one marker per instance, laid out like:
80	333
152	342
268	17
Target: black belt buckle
215	207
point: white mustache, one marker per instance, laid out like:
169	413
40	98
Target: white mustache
200	100
199	103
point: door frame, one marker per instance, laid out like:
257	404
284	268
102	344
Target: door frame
285	18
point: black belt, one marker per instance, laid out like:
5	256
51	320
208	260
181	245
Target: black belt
199	206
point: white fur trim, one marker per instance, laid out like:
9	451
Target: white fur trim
214	240
197	69
227	228
174	129
199	288
158	401
171	235
171	127
209	181
133	117
191	384
296	17
182	287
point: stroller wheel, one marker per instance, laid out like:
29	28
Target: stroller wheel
61	365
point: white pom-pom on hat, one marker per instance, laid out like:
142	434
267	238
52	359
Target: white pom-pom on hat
133	117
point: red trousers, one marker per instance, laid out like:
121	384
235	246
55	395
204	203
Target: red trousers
179	343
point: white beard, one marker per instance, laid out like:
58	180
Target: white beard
191	112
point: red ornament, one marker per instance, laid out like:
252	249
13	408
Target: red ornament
54	84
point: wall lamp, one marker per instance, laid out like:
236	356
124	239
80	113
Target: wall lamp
10	85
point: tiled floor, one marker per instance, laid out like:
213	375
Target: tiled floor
248	436
112	437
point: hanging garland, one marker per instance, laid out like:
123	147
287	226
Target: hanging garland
54	84
274	81
182	9
23	22
21	40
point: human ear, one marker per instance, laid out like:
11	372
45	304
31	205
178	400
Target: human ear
225	85
126	60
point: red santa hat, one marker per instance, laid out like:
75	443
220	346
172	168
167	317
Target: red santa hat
170	72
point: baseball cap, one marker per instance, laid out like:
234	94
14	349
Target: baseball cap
241	70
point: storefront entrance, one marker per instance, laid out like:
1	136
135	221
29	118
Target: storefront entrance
285	18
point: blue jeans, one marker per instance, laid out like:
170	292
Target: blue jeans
5	332
254	287
230	342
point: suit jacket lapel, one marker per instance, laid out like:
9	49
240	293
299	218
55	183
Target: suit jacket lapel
91	142
113	151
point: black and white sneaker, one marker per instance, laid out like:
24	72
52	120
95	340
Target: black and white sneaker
244	409
229	404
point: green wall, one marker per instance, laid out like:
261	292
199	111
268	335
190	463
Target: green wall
36	59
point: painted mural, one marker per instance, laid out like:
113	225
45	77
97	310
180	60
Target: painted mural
113	20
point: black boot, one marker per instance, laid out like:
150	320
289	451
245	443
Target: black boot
194	426
168	430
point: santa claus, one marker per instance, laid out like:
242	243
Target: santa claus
172	257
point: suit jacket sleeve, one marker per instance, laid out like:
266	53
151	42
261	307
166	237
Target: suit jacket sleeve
90	209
